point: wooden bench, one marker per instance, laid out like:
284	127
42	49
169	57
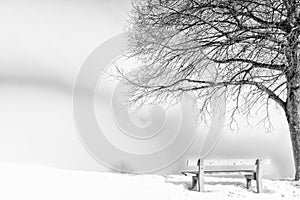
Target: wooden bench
249	171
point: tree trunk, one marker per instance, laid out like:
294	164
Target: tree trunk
292	108
294	126
293	116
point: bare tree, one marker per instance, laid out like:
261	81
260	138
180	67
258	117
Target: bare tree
250	46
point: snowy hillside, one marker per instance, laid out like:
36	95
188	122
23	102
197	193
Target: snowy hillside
35	182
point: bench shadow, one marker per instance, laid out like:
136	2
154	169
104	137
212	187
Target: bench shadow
178	180
235	183
186	182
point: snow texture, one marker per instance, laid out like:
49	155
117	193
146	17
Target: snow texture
19	181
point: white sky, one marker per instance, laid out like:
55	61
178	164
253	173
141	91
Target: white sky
56	35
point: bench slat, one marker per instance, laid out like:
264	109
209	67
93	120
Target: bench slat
193	162
218	171
233	168
223	168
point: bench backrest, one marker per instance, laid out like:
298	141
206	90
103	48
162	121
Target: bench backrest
230	165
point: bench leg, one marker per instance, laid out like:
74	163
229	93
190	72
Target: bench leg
201	183
201	176
258	175
194	182
259	185
248	184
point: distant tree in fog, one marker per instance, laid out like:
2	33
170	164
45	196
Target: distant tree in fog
122	168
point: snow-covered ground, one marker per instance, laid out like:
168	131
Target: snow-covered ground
19	181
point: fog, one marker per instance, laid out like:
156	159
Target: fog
43	46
